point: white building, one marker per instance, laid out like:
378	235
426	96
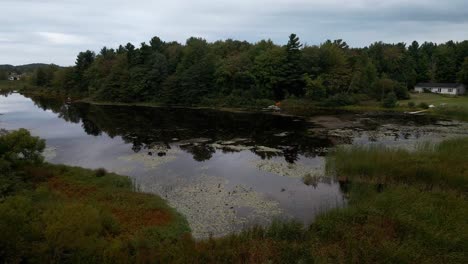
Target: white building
441	88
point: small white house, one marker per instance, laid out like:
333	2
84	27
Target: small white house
441	88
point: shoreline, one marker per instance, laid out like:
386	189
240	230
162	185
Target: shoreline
290	108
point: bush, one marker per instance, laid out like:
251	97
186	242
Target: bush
390	101
341	100
411	104
424	105
101	172
401	91
20	148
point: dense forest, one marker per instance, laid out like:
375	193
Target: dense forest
235	72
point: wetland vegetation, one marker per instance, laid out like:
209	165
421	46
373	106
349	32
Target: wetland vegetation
56	213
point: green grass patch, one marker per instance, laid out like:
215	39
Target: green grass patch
8	86
452	107
400	224
444	165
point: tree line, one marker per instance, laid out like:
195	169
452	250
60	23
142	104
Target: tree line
238	72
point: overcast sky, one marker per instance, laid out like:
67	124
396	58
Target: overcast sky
54	31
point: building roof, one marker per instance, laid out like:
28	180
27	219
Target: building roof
439	85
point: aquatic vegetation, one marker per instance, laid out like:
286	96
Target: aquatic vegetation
456	112
209	199
233	148
283	168
310	179
267	149
154	157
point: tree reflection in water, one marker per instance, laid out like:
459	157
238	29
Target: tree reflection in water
146	127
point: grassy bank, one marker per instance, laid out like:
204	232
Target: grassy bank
444	165
445	106
8	86
61	214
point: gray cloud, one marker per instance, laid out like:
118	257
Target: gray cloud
56	30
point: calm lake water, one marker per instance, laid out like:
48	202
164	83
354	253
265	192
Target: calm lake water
224	171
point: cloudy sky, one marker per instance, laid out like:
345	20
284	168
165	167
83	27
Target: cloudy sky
54	31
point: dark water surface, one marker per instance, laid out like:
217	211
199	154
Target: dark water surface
222	170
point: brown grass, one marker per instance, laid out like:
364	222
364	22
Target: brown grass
138	217
73	191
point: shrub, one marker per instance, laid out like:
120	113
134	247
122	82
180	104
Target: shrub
20	148
411	104
424	105
101	172
390	101
401	91
309	180
341	99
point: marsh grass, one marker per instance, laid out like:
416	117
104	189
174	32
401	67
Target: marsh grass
441	165
7	86
399	225
74	215
455	112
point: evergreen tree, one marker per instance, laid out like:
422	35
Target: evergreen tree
293	83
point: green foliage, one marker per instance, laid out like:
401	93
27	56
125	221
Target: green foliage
423	105
101	172
314	88
390	100
463	73
198	71
3	75
19	148
293	83
411	104
384	86
340	100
